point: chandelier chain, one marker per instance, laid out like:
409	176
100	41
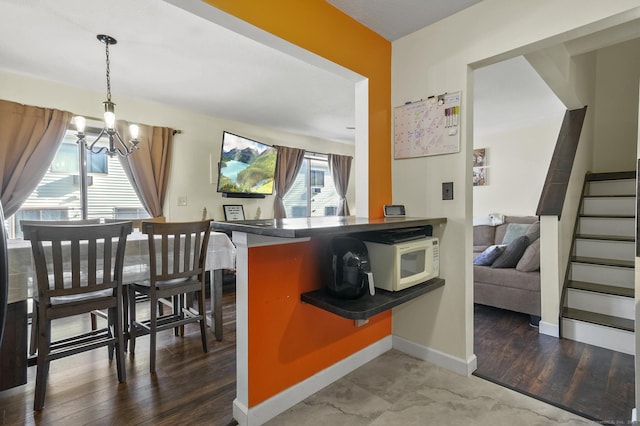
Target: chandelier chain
108	74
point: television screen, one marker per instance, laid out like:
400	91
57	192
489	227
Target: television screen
246	166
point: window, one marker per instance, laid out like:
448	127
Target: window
66	160
57	197
313	192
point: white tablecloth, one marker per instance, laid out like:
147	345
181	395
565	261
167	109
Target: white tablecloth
221	254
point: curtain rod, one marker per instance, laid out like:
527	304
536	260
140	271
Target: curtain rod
175	132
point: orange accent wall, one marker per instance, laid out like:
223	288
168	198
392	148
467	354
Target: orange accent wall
290	341
317	26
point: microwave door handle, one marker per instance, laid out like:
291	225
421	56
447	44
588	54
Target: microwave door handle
372	289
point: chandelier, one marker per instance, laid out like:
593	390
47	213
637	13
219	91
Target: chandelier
116	144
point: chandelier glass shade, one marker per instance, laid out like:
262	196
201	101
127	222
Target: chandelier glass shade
117	145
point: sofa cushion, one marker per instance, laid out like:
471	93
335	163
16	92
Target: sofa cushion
509	277
502	229
489	255
512	254
533	233
484	235
514	230
530	260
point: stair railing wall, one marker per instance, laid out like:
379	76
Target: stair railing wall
558	208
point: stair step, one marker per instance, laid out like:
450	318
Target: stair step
603	274
602	288
623	238
605	262
602	225
611	176
600	319
610	216
599	335
612	187
612	195
608	205
600	303
614	250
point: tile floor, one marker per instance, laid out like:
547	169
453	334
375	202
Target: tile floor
396	389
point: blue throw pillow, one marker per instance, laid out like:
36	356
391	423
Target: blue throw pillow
514	231
488	256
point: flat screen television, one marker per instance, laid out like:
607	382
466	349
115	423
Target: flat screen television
247	167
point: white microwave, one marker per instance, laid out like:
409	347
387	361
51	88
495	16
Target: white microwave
401	265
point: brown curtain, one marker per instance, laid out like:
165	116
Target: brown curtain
289	164
340	169
29	139
148	167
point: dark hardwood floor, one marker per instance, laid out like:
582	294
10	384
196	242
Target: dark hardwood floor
590	381
196	388
190	387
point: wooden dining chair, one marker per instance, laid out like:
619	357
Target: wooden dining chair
33	341
78	270
177	256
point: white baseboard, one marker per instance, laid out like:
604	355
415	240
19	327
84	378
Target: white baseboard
286	399
549	329
441	359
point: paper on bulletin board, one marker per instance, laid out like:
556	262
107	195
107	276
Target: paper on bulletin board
427	127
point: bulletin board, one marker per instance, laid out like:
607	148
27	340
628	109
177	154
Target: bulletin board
427	127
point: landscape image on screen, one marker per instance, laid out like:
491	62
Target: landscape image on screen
246	166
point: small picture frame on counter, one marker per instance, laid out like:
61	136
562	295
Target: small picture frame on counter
233	212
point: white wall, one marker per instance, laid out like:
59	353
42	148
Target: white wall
616	119
423	64
517	165
195	152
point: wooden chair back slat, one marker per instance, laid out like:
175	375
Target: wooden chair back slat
58	270
75	264
188	242
108	267
92	262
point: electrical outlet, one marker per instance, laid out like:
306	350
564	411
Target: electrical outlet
447	190
182	200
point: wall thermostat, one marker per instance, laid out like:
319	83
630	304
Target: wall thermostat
394	210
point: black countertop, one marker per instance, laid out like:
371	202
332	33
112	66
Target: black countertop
310	226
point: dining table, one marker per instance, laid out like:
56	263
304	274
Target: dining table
221	254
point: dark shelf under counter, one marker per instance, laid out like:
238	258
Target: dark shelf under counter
367	305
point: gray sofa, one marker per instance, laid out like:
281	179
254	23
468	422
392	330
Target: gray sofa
513	288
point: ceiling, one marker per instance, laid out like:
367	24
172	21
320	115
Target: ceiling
168	55
393	19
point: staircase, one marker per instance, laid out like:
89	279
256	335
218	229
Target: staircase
598	297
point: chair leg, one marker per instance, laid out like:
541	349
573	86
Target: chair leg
118	333
203	321
176	311
111	330
132	319
125	316
42	373
181	307
33	343
153	324
94	321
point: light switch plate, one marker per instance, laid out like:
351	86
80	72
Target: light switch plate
447	190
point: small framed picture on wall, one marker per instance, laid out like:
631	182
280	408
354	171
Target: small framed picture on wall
479	176
479	157
233	212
